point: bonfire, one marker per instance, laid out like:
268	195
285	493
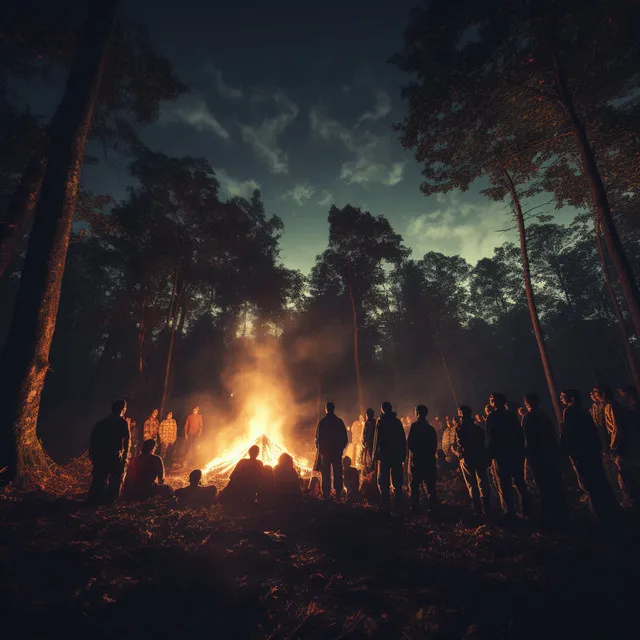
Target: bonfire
271	448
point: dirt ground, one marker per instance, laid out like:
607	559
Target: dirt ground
322	570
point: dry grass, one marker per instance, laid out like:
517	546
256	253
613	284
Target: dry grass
324	571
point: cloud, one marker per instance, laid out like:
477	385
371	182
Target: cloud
327	198
379	111
263	138
396	174
225	90
192	110
457	227
235	188
300	193
367	148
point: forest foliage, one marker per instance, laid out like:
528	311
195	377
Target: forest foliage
168	286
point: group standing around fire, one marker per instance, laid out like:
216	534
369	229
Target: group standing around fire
499	450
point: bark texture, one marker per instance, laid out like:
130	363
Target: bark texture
25	359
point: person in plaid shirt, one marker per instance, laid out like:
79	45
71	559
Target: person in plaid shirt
168	433
151	427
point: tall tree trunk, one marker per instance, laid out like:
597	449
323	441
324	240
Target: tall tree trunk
21	208
167	368
602	210
172	338
142	330
449	381
25	359
624	334
535	322
356	340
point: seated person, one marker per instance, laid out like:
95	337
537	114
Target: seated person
267	485
245	479
142	473
351	478
314	487
286	478
194	495
369	489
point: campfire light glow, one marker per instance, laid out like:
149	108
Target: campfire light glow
264	431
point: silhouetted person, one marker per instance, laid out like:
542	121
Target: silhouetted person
194	495
368	438
168	434
469	446
505	442
351	478
619	446
632	419
193	431
108	449
245	479
145	475
314	487
543	455
422	444
580	441
331	440
286	479
390	450
266	490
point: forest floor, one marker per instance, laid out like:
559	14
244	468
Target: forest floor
328	570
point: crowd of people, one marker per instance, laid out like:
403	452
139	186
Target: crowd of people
505	448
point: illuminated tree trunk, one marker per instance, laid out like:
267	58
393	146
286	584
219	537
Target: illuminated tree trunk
20	209
624	334
356	341
533	312
25	359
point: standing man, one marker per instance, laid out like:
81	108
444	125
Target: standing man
619	446
390	450
543	455
151	427
468	445
168	433
505	442
423	445
331	440
193	431
580	441
108	450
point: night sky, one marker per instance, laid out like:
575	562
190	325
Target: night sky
299	100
